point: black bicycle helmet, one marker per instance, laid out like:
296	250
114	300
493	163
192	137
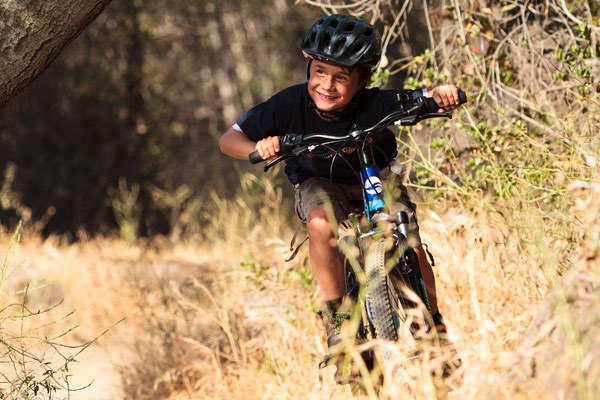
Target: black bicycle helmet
343	40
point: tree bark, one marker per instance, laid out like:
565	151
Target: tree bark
32	35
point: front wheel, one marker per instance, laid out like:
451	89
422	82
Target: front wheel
381	307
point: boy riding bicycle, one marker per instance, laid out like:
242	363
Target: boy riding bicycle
342	54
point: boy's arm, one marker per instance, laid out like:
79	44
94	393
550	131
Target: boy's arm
236	144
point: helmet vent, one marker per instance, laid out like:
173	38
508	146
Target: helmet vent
358	47
349	27
340	45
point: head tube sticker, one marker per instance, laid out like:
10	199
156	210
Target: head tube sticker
373	186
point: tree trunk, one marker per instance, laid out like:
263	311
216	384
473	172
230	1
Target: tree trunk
33	33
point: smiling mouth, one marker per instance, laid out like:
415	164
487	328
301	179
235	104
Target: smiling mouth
327	98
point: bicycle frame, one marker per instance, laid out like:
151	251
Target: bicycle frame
375	210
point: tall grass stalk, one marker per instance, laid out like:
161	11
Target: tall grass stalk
37	336
26	366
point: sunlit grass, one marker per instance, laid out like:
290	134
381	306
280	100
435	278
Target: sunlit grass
214	312
226	317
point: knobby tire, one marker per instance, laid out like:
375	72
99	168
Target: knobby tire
381	305
413	281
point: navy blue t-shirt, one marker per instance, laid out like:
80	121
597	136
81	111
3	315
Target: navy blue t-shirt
291	111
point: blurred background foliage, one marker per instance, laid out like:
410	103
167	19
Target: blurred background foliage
134	107
120	133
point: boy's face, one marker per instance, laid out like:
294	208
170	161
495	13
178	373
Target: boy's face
332	87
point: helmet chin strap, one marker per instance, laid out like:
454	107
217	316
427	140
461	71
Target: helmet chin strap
340	115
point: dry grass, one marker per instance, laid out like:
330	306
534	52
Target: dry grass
209	320
221	315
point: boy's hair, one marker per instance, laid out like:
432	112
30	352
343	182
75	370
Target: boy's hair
363	72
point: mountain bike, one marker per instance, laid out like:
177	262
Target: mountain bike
385	279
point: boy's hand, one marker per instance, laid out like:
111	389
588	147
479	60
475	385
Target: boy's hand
446	96
268	147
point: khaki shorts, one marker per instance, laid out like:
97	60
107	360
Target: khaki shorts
343	200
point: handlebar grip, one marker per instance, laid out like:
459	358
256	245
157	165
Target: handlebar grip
255	158
462	97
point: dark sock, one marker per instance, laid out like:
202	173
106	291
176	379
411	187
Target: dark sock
438	319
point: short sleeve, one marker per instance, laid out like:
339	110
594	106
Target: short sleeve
274	116
259	122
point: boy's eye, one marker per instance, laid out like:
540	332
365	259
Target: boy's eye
341	78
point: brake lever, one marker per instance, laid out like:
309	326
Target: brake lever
414	119
274	161
407	121
296	152
437	115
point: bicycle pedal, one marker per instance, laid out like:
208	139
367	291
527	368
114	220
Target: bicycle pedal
329	359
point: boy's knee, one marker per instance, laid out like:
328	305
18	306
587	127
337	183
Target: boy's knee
318	224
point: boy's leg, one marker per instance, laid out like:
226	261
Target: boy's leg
428	277
403	203
324	256
323	205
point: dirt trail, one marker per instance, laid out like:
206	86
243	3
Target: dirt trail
93	376
96	366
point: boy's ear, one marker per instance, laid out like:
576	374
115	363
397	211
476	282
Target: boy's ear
366	80
365	77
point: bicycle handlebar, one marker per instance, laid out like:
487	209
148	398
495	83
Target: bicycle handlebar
255	158
409	113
